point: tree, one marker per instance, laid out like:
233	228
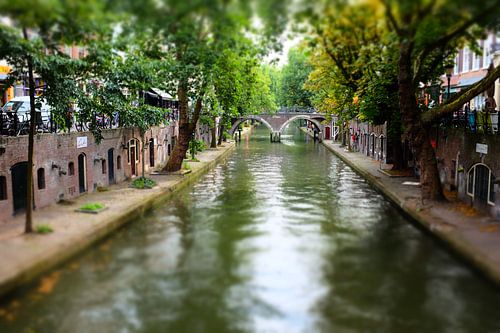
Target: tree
119	90
241	84
429	32
38	30
293	76
354	68
192	35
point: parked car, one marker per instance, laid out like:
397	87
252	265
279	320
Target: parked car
16	114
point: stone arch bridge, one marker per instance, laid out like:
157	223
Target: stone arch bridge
277	122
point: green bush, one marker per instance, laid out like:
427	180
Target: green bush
196	146
43	229
142	183
186	166
92	206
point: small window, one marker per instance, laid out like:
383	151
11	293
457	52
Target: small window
118	162
103	166
41	178
71	168
3	188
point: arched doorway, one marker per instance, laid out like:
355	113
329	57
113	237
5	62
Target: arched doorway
372	145
82	173
382	147
111	166
367	140
480	184
133	156
328	133
151	152
19	174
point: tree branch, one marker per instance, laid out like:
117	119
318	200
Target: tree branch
435	62
347	76
392	19
445	39
463	97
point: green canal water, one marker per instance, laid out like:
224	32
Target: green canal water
280	238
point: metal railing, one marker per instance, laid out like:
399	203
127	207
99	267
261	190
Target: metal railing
472	121
297	109
13	124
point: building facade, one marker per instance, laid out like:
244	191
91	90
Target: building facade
69	165
470	67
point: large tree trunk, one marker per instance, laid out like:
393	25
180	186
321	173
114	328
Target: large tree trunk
342	134
213	142
419	137
398	162
181	147
28	228
394	135
186	129
221	134
182	144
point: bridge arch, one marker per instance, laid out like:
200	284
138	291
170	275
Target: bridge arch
249	117
313	120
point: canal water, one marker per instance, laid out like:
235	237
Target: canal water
280	238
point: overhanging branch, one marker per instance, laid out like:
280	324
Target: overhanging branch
460	99
443	41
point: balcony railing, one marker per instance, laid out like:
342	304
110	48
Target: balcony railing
473	121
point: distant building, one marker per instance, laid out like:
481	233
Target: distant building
471	67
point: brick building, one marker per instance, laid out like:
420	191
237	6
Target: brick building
470	67
68	165
371	140
469	163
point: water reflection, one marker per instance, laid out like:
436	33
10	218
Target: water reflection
281	238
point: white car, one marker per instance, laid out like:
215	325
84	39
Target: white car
21	106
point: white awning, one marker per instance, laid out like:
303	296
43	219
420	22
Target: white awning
162	94
468	82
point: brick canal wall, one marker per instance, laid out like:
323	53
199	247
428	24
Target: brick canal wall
472	174
68	165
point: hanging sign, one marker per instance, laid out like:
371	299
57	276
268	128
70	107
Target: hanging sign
81	142
481	148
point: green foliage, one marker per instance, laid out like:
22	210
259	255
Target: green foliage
293	76
52	25
142	183
196	146
349	52
95	206
43	229
121	82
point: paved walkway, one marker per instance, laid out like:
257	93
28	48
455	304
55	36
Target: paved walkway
474	236
24	257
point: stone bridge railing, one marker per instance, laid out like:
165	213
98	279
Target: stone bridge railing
277	122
